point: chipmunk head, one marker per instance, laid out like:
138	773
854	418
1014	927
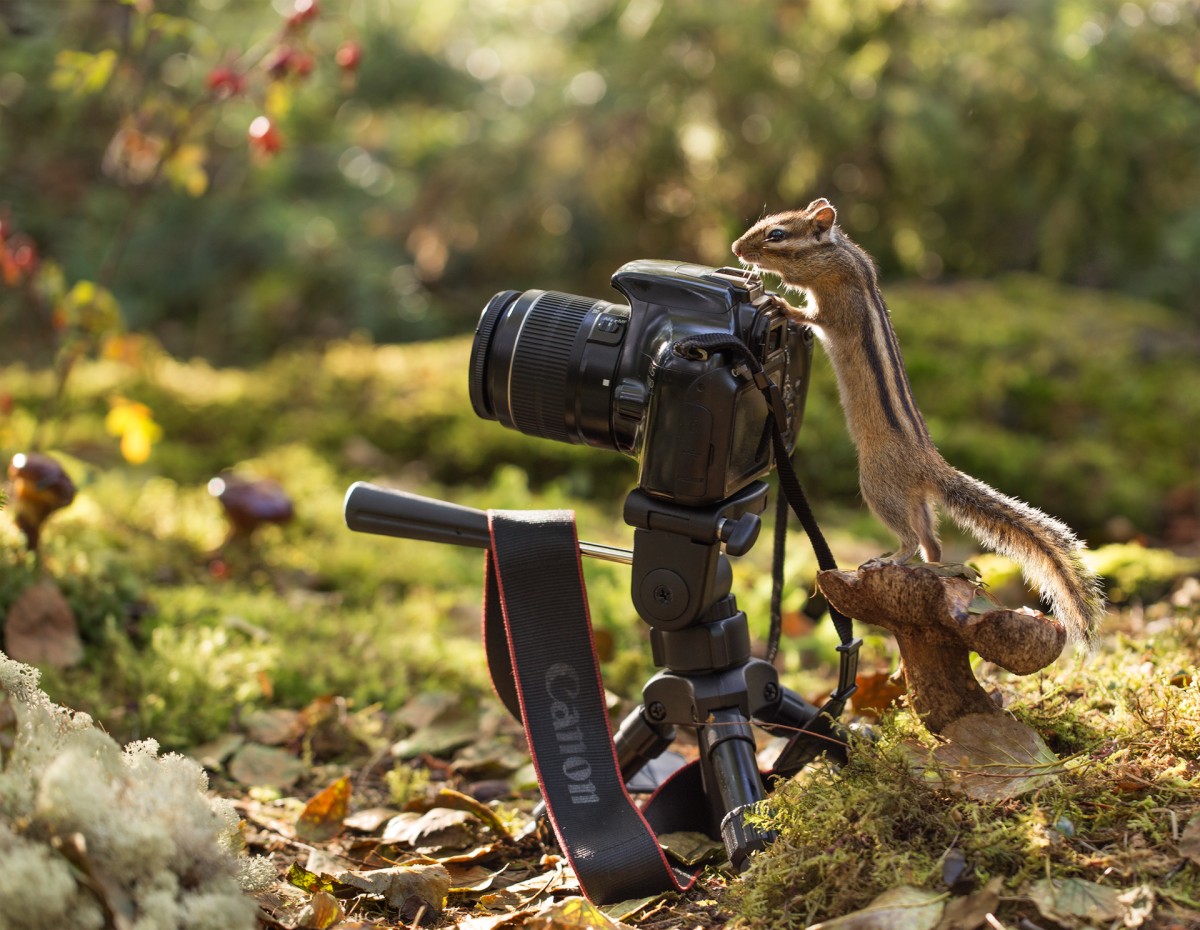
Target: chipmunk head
791	244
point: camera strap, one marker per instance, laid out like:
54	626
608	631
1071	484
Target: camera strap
542	660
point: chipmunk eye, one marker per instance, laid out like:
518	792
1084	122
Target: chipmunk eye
777	235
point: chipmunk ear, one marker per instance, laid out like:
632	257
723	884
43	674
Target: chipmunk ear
824	218
816	205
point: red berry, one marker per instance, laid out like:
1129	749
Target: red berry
264	136
225	82
303	11
348	55
25	257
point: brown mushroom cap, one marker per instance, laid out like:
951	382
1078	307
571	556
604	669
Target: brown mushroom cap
40	486
251	502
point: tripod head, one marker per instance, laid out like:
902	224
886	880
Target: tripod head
679	569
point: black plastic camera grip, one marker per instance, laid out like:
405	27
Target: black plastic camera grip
388	512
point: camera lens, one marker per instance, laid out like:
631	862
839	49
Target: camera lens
543	362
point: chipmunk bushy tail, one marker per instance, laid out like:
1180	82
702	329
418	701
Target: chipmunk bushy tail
1047	551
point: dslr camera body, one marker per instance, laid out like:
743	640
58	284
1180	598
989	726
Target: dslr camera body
584	370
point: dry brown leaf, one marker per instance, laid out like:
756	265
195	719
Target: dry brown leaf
273	726
41	628
692	848
992	757
456	800
323	816
322	912
877	691
970	911
371	819
440	828
1074	901
404	888
1189	841
522	894
255	764
900	908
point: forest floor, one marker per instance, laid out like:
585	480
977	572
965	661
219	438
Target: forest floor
333	684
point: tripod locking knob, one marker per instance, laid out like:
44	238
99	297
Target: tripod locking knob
739	535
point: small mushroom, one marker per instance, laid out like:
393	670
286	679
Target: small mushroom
250	503
39	487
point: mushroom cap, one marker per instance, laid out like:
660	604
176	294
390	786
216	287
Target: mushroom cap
40	486
251	502
40	479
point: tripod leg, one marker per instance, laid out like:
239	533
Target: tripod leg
639	741
810	733
730	767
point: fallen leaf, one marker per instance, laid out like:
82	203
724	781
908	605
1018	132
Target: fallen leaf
634	906
308	881
441	724
970	911
272	727
1189	841
877	691
323	816
213	755
322	912
692	848
371	819
440	828
404	888
1075	898
456	800
899	908
258	765
990	757
572	914
468	878
41	630
522	894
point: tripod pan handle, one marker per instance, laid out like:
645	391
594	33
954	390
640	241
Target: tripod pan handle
372	509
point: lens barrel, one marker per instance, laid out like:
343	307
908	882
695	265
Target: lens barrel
544	363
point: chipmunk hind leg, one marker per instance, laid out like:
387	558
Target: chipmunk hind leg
911	517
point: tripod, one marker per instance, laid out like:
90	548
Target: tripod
709	682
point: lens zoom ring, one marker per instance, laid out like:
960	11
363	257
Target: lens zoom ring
541	364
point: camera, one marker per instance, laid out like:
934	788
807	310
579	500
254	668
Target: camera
590	371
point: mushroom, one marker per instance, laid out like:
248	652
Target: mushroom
39	487
250	503
939	615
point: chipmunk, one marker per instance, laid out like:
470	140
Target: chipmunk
901	472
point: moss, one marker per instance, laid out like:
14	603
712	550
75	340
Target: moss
1126	721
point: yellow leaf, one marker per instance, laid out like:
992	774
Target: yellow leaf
91	308
134	424
278	101
322	817
185	170
82	72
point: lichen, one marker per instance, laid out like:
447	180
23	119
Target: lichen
88	828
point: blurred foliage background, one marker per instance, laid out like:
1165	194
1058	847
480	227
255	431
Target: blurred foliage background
486	144
250	183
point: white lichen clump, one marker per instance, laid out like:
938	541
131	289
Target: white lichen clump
93	836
